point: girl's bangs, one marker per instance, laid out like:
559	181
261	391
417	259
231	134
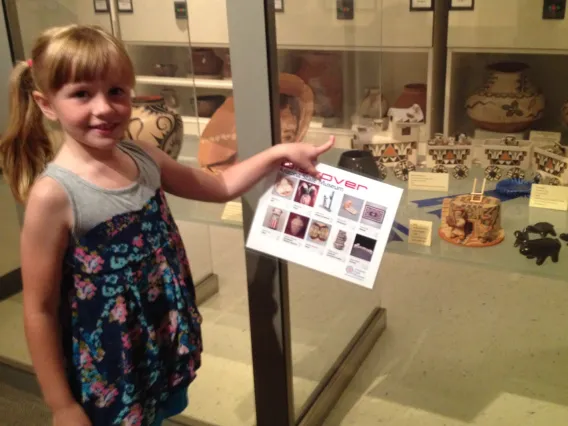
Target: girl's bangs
81	62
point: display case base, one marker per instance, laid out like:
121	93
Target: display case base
330	389
206	288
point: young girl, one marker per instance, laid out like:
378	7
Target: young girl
109	304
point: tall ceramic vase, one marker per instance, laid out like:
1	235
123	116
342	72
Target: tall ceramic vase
322	71
153	122
508	102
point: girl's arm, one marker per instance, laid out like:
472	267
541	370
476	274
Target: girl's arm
43	243
196	184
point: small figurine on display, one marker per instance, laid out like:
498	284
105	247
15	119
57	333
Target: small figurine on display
541	228
541	249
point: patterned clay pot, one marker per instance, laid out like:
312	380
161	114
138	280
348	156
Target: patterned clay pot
509	102
414	93
322	71
206	62
153	122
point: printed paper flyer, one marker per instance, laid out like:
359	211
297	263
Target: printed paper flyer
338	225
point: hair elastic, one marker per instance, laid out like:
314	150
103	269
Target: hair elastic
29	62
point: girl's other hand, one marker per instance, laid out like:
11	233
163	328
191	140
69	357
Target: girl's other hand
304	156
72	415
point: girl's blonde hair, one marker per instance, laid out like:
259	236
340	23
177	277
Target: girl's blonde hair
61	55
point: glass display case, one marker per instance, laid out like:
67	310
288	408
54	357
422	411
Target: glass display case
471	92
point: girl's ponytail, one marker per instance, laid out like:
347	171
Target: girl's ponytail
25	147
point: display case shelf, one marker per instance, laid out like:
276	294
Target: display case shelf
516	215
202	83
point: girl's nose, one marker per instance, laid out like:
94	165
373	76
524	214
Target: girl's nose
101	105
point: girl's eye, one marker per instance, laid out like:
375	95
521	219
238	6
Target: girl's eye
81	94
117	91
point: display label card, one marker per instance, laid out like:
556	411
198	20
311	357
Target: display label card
338	224
426	181
549	197
420	232
233	212
551	137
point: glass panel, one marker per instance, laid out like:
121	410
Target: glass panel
188	65
475	335
355	63
26	20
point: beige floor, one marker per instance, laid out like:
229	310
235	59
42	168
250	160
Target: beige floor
463	346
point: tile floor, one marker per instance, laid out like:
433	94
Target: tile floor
463	346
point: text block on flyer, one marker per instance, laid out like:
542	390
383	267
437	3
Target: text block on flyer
338	224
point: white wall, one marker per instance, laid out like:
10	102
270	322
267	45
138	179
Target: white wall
303	24
35	16
513	24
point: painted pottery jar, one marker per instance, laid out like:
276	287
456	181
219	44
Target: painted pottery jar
153	122
374	105
322	71
206	62
508	102
413	93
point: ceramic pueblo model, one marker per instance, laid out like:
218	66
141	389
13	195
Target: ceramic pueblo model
506	156
393	142
448	153
472	220
549	164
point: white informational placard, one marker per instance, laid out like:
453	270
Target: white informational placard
338	225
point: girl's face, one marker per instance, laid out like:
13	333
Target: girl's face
93	113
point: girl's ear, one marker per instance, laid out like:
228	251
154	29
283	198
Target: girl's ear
45	106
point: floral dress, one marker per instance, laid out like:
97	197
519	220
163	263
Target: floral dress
130	327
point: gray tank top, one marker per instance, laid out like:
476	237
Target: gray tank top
92	204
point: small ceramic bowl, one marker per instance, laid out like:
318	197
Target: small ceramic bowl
165	70
208	104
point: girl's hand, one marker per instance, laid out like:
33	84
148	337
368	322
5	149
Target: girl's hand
304	156
72	415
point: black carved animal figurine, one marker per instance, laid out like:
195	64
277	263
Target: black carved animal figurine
541	228
564	237
521	238
541	249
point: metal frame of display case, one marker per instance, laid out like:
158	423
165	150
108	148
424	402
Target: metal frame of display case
255	80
